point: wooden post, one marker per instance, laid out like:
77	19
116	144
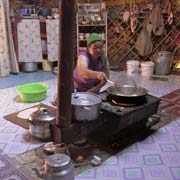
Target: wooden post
65	67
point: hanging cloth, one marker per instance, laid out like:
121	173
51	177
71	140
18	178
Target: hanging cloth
52	29
156	19
8	61
29	41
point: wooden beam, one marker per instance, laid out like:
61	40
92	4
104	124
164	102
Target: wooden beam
65	66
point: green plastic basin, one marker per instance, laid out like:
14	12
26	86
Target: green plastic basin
32	92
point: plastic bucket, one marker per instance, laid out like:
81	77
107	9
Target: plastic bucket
132	67
147	69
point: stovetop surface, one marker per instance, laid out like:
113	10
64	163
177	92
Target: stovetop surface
121	109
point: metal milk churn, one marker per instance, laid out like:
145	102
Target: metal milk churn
163	61
58	167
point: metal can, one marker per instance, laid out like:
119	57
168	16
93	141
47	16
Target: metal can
59	167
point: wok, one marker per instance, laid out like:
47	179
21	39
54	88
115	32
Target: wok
138	97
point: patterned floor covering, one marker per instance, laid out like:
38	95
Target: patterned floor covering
9	169
170	103
155	158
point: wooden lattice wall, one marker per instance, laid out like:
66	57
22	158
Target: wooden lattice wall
121	41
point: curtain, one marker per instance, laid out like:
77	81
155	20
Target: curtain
29	41
8	61
52	29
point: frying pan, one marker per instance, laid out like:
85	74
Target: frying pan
137	97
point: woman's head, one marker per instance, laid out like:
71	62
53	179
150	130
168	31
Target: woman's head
95	45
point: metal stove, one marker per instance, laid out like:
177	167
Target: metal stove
114	119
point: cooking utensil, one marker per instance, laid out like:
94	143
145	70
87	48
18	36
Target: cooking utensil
140	91
123	88
40	124
111	82
137	97
85	106
57	167
50	147
29	67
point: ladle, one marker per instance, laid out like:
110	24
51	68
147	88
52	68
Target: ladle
109	81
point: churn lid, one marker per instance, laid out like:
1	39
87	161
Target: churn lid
42	116
58	160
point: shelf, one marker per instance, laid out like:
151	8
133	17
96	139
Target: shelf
86	25
86	40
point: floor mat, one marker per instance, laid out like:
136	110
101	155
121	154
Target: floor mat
13	117
170	103
151	157
10	170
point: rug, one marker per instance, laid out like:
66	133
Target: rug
23	122
170	103
10	170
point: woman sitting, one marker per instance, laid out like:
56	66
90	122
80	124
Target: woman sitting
92	68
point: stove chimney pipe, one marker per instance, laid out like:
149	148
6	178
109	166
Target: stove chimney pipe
65	67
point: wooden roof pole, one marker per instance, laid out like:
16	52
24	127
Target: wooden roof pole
65	67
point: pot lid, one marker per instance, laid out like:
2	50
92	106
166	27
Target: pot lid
58	160
42	116
85	99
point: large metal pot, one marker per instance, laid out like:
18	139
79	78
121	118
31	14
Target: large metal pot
29	67
40	124
137	97
85	106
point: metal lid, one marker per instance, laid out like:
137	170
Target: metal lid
58	160
42	116
85	99
167	53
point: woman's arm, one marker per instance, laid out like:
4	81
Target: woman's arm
96	88
86	73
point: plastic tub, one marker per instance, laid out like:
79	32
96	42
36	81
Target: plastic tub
32	92
147	69
132	67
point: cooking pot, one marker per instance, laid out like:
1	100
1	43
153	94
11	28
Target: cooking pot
85	106
135	98
29	67
40	123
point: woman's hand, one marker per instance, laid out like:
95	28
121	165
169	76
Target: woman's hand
101	76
